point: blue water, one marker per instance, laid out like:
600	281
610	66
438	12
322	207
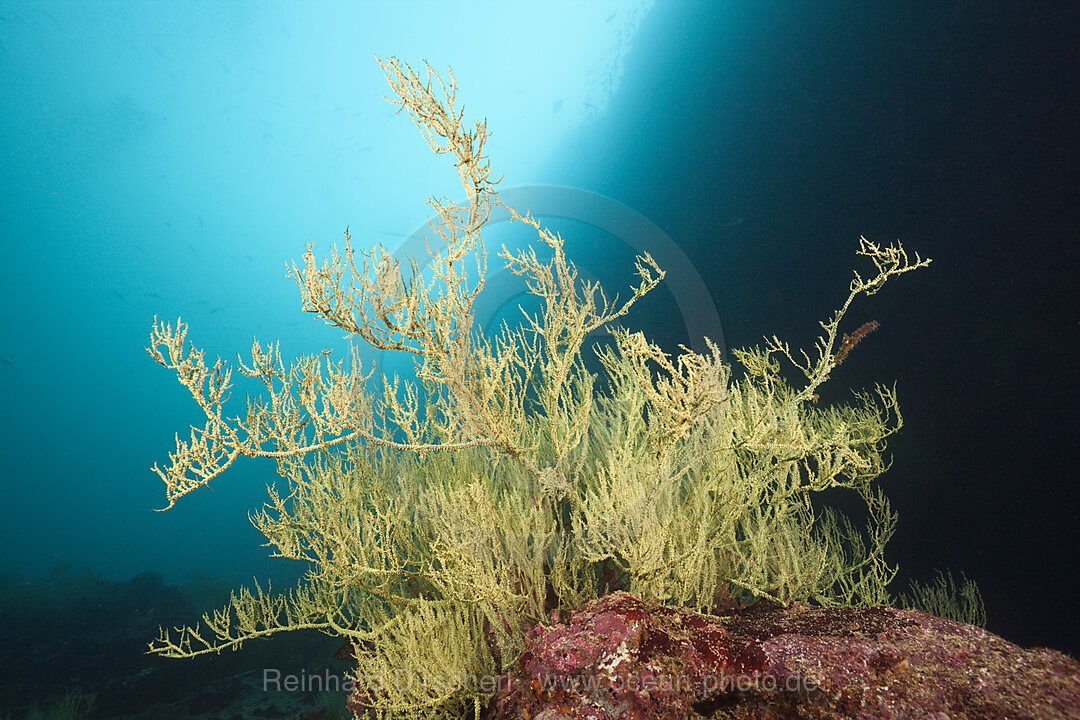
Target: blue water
168	159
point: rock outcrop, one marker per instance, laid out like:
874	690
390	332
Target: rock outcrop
620	658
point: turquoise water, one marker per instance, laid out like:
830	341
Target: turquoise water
168	158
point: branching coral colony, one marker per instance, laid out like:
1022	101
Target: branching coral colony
443	518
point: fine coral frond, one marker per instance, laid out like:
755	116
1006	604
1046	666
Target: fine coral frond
441	519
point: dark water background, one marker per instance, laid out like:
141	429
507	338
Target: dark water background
168	158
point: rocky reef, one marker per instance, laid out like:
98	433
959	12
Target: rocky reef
620	658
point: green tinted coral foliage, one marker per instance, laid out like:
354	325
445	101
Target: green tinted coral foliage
441	518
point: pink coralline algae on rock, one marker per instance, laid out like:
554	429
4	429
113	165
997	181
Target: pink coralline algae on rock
620	658
617	657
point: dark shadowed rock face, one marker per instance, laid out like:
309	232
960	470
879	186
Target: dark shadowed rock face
620	658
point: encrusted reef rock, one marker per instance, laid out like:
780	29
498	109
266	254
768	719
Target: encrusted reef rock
619	658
